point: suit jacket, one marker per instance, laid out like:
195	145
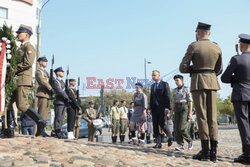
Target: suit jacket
44	88
238	74
61	95
24	68
160	98
205	55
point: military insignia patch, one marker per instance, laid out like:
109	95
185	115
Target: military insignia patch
29	52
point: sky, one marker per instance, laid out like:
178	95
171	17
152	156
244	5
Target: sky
109	39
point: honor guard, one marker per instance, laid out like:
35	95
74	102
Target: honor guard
24	75
60	102
44	89
90	115
237	73
206	57
72	109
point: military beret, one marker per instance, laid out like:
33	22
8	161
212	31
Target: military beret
178	76
139	84
42	59
72	80
24	28
58	69
203	26
91	102
244	38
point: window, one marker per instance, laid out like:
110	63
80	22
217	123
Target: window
3	13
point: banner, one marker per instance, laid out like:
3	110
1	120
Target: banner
3	66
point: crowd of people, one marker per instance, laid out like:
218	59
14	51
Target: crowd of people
202	60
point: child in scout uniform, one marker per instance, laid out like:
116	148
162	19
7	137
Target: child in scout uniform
123	121
182	107
90	115
115	120
149	126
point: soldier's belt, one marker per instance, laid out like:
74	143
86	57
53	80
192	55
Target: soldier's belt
203	71
123	118
181	102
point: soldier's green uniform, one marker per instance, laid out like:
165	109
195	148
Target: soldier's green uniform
24	75
206	57
181	98
90	115
43	91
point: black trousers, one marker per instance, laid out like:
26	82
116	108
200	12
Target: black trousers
59	116
71	118
242	112
158	121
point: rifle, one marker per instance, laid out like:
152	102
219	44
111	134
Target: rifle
67	81
78	112
51	78
237	47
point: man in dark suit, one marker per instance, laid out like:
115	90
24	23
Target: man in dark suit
159	105
237	73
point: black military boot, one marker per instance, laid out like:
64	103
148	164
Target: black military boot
58	133
213	150
170	142
203	155
158	142
9	131
245	157
41	124
115	139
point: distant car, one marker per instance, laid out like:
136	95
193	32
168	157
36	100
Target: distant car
83	132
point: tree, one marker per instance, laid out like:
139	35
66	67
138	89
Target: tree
228	107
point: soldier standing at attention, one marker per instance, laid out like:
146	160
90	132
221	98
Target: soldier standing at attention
60	102
115	120
72	109
124	120
206	57
90	115
24	75
44	89
237	73
182	108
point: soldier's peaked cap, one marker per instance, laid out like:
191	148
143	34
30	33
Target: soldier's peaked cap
58	69
24	28
203	26
244	38
91	102
178	76
42	59
72	80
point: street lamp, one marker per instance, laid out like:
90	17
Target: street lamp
38	48
145	68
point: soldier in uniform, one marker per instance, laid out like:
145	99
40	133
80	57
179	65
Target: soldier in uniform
115	120
90	115
44	89
237	73
72	109
24	75
182	108
206	57
61	101
123	121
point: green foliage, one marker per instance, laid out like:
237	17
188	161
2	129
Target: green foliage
228	107
11	79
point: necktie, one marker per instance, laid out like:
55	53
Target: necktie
156	86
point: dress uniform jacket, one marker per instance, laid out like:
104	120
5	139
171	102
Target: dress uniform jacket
61	96
24	68
238	74
206	57
44	88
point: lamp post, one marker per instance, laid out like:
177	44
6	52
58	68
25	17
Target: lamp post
38	49
145	70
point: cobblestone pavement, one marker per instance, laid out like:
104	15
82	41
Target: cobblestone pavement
45	152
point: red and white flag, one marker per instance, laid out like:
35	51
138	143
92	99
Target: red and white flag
3	66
